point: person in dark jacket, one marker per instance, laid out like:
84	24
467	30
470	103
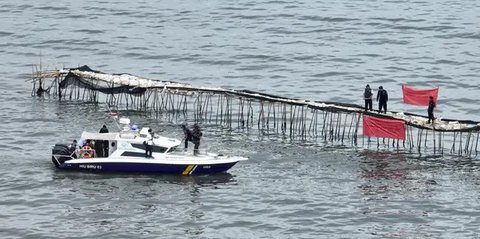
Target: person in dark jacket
72	148
102	145
431	107
104	129
367	95
382	98
196	136
188	136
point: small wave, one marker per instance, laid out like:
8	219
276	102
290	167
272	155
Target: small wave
449	62
122	13
138	48
233	8
276	2
53	41
383	41
283	15
187	58
464	35
327	19
259	57
4	34
41	29
396	19
425	28
330	73
369	55
210	62
396	68
37	120
132	55
346	60
75	16
291	6
257	67
250	17
299	42
89	31
443	77
154	57
25	6
287	31
278	77
55	9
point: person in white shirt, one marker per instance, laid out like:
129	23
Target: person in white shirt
149	144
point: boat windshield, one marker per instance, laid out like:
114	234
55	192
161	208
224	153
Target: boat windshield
173	149
155	148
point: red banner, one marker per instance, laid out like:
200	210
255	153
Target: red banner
383	128
415	96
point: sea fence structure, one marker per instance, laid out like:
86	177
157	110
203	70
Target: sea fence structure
301	120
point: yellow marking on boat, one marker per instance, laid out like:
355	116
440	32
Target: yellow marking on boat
187	170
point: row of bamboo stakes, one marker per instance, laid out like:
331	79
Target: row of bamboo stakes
298	122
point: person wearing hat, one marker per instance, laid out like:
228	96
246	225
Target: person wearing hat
382	98
367	95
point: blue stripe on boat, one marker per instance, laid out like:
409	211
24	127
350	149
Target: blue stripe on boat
148	168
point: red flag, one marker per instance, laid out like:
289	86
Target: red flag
415	96
383	128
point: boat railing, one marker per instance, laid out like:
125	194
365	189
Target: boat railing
57	156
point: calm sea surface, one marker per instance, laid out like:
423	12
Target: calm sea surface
317	50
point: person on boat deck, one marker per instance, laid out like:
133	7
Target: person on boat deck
188	135
104	129
102	145
196	135
72	148
81	143
431	106
382	98
149	144
87	146
92	145
367	95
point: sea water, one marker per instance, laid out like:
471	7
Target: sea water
315	50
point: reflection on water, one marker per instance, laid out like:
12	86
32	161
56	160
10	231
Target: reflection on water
385	174
137	200
405	194
383	164
211	180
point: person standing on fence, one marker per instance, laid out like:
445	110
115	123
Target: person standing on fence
382	98
367	95
431	107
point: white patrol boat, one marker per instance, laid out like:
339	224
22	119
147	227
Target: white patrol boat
124	151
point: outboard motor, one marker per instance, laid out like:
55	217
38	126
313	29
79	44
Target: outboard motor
60	154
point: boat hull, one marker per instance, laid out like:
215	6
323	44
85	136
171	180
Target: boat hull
157	168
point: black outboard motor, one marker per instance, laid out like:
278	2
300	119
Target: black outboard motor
60	154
